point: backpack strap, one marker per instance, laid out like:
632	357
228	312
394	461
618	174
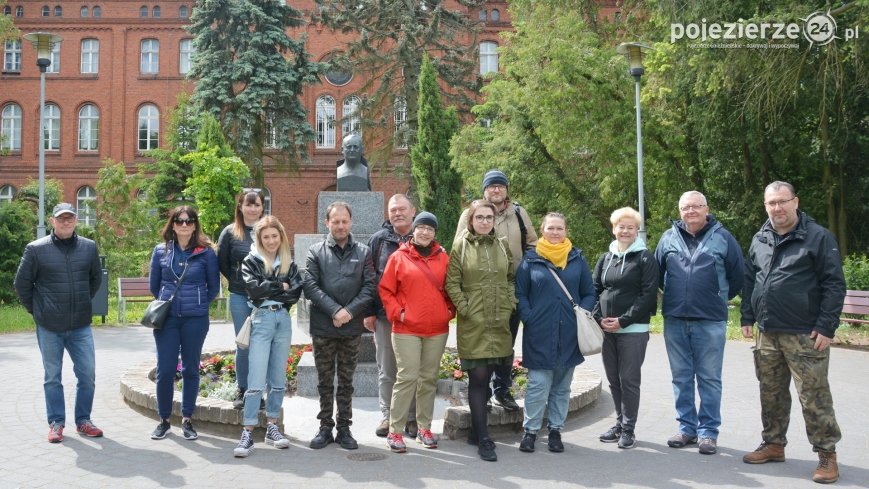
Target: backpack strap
523	231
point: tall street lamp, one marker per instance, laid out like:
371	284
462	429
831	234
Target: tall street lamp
43	43
634	52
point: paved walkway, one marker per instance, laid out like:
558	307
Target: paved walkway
127	458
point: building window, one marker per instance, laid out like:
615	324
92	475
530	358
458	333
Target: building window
88	128
150	62
149	127
496	15
58	11
12	57
84	11
46	11
484	15
270	133
143	11
86	210
183	13
19	11
97	11
185	55
7	193
90	56
10	137
267	201
155	12
400	120
352	121
7	10
54	57
51	127
488	57
325	122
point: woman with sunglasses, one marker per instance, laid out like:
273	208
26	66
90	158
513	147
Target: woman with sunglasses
184	256
233	246
480	284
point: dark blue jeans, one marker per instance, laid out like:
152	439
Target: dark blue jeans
80	345
186	334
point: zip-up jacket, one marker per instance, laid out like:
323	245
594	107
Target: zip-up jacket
383	244
626	286
507	227
265	285
697	284
338	278
797	285
201	283
230	253
56	282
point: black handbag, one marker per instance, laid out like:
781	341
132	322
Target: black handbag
157	311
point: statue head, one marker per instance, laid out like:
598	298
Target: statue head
352	149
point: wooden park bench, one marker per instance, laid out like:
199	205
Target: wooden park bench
137	289
856	302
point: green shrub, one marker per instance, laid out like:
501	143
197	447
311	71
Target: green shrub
856	269
17	228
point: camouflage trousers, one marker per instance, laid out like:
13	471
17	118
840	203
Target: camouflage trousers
335	354
778	357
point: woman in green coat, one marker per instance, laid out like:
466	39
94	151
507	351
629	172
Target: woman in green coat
480	283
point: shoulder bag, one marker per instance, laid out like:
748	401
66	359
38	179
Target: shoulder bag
242	339
157	311
588	332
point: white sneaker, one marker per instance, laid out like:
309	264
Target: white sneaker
275	438
245	445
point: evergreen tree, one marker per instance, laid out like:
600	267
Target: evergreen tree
392	36
437	184
251	74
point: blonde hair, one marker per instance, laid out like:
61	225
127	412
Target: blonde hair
283	252
553	215
626	213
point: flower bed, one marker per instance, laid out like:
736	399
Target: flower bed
451	368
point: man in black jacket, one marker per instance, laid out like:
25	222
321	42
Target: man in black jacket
794	289
56	280
339	281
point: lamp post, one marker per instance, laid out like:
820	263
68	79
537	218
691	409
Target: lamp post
43	43
634	52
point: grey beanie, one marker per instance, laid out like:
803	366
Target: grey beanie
495	177
426	218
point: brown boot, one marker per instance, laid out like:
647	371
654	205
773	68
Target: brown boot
766	452
827	471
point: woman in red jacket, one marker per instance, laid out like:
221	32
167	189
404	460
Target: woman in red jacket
412	291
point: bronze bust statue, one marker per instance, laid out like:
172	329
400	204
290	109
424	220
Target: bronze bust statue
353	169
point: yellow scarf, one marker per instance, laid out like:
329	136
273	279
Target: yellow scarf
555	253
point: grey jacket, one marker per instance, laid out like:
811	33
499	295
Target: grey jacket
336	279
56	282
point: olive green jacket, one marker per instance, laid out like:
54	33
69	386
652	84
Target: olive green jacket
480	283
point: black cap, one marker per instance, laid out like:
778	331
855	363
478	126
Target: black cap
426	218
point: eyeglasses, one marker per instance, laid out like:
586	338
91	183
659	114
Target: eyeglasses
497	187
184	222
65	219
480	218
426	229
778	203
626	228
694	207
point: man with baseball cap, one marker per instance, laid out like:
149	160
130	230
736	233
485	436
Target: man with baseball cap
56	280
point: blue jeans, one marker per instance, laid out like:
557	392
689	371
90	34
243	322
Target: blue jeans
696	350
240	310
186	334
270	336
80	345
547	387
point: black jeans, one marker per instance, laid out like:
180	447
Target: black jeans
502	380
623	355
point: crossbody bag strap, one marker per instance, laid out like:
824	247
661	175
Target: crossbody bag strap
560	283
180	281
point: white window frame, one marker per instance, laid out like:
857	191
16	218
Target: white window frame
90	56
54	57
11	127
326	121
88	128
488	57
12	56
149	60
350	113
399	119
270	134
148	121
51	127
267	201
185	55
183	12
7	193
86	205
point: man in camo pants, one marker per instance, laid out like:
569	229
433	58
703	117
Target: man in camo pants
794	288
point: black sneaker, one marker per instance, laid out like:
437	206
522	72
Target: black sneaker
275	438
323	438
627	440
345	439
161	430
238	402
487	450
611	435
527	443
411	429
245	444
188	431
506	401
555	444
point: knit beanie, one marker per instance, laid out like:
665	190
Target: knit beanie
426	218
494	177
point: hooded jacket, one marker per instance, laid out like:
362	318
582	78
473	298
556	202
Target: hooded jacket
797	285
383	244
507	227
549	333
230	253
262	285
407	287
480	283
56	282
626	284
201	283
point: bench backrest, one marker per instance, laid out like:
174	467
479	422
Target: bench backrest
856	302
134	287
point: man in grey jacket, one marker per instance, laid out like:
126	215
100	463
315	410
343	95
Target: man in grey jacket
56	280
339	281
794	289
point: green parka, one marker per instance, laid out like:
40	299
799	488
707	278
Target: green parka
480	283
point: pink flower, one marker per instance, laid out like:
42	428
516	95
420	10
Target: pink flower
458	374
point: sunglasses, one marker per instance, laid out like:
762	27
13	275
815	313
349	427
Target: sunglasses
184	222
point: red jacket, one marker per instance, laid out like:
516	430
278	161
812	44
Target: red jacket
406	287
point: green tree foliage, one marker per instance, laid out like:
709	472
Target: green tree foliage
217	177
7	27
390	38
17	228
437	184
251	74
29	192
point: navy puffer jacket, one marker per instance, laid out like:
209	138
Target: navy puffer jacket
200	286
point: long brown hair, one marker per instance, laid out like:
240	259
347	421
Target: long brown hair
247	196
198	238
284	250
